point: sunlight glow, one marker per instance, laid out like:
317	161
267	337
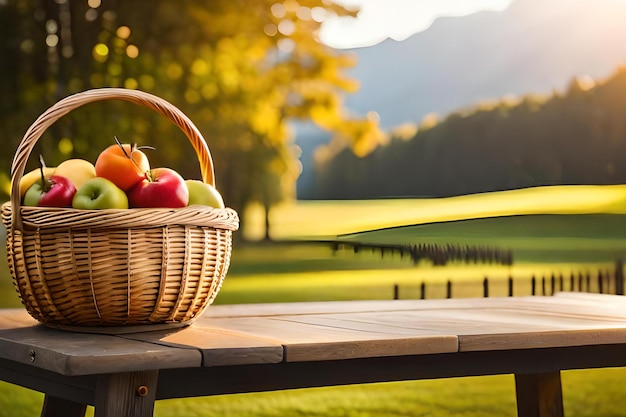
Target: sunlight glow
131	83
132	51
586	82
270	29
100	52
396	19
66	146
52	40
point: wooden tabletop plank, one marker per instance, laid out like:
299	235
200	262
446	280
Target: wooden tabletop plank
330	307
582	304
487	330
541	339
443	322
479	324
564	320
218	346
368	348
615	305
12	318
319	341
24	340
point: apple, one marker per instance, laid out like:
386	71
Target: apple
99	193
55	191
161	187
33	176
76	170
123	164
203	194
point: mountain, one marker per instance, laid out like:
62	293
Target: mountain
534	46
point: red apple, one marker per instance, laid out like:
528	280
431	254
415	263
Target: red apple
161	187
56	191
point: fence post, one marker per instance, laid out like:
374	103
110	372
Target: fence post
552	284
543	285
619	277
600	282
571	282
423	291
533	285
486	287
396	292
580	282
449	289
510	286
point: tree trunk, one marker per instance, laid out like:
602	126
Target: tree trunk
266	206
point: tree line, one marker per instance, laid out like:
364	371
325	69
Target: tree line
574	137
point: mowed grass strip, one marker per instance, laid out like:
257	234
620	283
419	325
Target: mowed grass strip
372	284
331	218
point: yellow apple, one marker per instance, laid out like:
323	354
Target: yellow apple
78	171
32	177
203	194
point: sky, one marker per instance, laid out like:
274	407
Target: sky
395	19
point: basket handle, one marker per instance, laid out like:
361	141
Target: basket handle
64	106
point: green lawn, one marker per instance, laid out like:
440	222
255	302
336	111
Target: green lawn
588	393
589	238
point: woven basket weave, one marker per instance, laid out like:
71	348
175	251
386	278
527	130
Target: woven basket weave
99	268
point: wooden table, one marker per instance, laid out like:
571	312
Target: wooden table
262	347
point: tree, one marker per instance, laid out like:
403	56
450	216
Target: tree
574	137
240	69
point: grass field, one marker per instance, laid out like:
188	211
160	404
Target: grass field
555	230
589	393
324	218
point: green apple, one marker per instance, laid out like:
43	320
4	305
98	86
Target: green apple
99	193
33	194
32	177
203	194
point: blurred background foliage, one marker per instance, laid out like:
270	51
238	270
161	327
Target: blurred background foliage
241	70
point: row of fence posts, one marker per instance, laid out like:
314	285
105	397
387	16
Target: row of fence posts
437	254
555	284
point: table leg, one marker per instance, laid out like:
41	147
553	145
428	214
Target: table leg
57	407
129	394
539	395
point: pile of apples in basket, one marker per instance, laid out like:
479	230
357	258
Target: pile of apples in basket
120	179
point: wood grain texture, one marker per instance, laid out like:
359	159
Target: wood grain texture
539	395
218	347
320	331
323	340
82	354
249	348
261	334
126	395
313	307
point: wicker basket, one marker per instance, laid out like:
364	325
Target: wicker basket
101	268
